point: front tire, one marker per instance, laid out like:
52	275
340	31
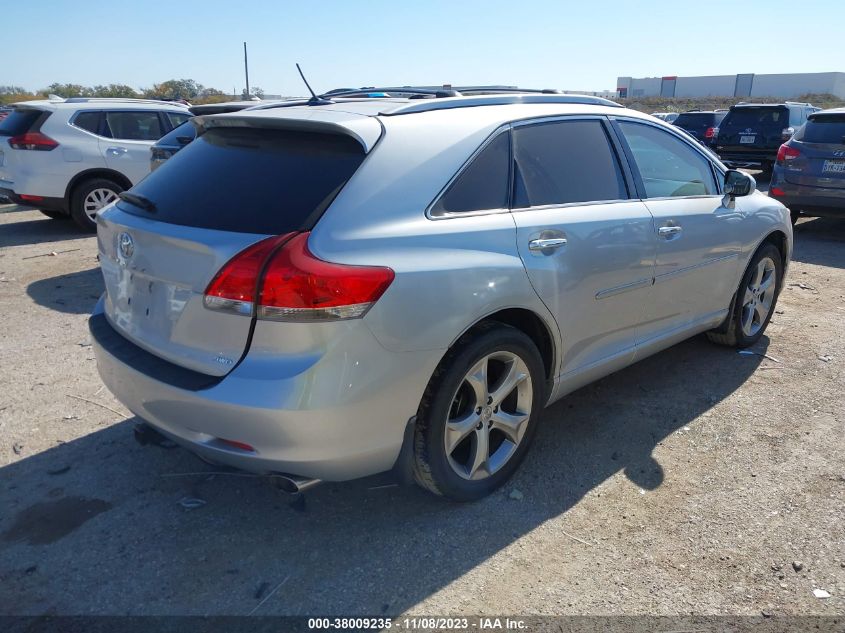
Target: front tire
89	197
479	413
755	300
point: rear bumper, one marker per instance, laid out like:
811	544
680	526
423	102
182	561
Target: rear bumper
339	418
754	157
812	200
39	202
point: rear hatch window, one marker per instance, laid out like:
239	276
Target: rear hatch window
757	118
828	129
250	180
20	120
695	121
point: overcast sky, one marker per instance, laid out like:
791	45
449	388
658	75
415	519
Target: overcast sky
530	43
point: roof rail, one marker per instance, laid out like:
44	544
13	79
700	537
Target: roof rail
801	103
496	99
393	91
119	100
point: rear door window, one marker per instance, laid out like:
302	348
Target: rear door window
827	129
483	184
668	166
563	162
134	126
20	120
250	180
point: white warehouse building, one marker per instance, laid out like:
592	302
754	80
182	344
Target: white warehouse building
787	86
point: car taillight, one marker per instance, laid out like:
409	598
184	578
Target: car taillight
279	279
716	132
787	153
710	132
776	191
787	133
33	140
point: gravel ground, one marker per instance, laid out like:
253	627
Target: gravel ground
697	481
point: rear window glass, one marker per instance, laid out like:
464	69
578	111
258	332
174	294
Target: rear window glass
250	180
823	129
483	184
565	162
756	118
179	136
698	121
89	121
19	121
177	119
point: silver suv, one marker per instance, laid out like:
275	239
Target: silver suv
333	289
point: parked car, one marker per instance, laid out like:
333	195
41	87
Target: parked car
180	136
74	156
751	133
330	290
809	174
701	124
669	117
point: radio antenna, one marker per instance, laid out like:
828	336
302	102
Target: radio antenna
314	100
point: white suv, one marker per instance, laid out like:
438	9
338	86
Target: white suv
73	156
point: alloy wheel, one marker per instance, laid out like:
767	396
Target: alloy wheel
759	297
488	416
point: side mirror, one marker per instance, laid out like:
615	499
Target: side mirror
738	183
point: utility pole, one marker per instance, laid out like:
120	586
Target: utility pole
246	71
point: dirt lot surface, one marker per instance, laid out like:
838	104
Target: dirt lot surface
697	481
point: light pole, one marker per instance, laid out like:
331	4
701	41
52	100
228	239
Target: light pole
246	71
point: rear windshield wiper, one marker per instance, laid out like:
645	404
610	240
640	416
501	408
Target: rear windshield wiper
138	201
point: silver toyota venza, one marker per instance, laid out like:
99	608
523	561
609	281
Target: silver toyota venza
369	281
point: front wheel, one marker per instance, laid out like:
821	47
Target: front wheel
479	413
755	300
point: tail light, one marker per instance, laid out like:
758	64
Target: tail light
710	132
787	133
34	141
279	279
776	191
787	153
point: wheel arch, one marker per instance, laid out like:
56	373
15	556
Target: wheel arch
99	172
779	240
533	326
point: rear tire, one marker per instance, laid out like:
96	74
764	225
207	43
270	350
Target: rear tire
479	413
754	302
89	197
55	215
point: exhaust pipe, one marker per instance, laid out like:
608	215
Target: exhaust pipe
292	484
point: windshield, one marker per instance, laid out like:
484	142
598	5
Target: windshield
756	118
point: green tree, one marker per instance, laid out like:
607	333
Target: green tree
114	90
175	89
66	90
13	90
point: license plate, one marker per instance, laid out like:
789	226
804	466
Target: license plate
747	139
834	167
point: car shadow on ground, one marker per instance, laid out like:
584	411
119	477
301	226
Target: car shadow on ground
74	293
39	231
95	525
820	241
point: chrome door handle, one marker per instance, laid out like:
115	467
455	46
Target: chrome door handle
669	231
542	244
116	151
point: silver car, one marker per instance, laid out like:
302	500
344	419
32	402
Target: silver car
330	290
